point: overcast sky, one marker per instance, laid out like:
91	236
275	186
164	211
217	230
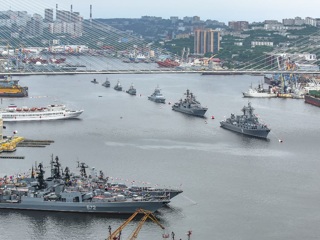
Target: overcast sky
222	10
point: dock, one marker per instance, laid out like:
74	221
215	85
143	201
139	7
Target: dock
12	157
34	143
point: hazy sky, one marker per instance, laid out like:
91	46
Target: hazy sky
222	10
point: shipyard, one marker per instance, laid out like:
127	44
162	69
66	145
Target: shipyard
154	128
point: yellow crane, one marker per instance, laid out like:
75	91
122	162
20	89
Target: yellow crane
134	235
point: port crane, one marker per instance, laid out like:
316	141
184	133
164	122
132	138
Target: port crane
134	234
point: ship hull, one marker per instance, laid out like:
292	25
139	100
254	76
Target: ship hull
13	93
85	207
157	100
312	100
259	95
190	111
259	133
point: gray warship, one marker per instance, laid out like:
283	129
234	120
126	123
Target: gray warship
190	106
132	90
60	193
157	96
106	83
118	86
247	123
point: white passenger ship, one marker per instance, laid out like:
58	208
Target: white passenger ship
50	112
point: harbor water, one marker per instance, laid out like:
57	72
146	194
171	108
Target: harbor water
235	187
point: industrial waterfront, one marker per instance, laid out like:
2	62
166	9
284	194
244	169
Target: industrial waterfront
235	187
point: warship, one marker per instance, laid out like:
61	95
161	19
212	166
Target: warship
63	193
157	96
190	105
133	191
247	123
118	87
132	90
106	83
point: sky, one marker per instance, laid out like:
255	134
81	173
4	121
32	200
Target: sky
222	10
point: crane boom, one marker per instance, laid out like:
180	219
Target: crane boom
147	214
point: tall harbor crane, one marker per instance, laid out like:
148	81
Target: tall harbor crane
134	235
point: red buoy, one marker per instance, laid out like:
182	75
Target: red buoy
212	117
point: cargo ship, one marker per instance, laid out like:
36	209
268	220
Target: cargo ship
11	88
313	97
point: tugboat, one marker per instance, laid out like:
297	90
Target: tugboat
11	88
247	123
118	87
157	96
190	106
132	90
106	83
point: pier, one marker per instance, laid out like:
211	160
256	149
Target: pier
12	157
34	143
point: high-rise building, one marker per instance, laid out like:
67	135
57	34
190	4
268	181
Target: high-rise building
48	15
206	40
63	16
35	25
238	25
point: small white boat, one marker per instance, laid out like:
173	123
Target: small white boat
51	112
260	92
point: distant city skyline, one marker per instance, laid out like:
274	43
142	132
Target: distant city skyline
223	11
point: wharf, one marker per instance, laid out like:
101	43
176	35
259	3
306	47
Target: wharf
34	143
12	157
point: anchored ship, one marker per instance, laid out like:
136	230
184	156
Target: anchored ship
106	83
260	92
313	97
51	112
190	105
247	123
132	90
11	88
61	193
168	63
157	96
118	87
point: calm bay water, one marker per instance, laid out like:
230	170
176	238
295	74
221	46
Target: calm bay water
235	187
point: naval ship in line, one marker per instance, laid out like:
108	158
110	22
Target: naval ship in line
65	192
190	105
157	96
247	123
